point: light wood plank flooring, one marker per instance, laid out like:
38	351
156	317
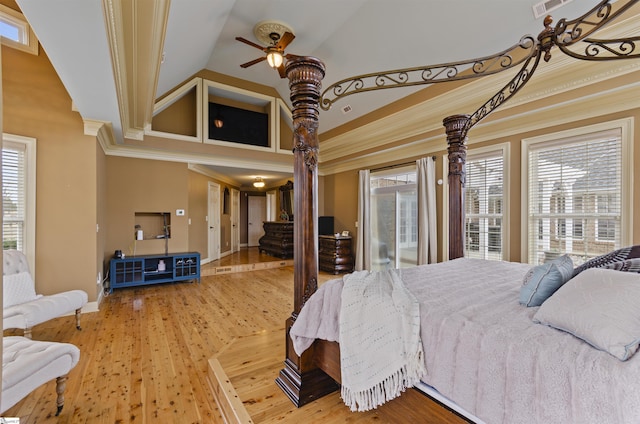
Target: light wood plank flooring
145	357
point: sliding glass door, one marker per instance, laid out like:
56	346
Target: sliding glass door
394	220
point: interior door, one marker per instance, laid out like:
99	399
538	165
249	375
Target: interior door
272	212
213	219
257	215
235	220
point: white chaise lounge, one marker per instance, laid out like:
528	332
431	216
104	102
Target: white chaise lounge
27	364
22	307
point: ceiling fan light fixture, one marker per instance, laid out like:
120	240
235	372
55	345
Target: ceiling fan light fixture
258	182
274	58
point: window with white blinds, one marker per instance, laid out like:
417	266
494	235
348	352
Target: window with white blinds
13	196
484	205
575	196
18	193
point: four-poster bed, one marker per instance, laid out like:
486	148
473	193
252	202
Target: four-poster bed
315	372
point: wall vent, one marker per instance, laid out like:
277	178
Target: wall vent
544	7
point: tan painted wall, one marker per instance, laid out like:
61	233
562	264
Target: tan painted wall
145	186
101	212
198	210
36	104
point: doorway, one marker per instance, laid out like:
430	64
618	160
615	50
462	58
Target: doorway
235	220
256	216
213	220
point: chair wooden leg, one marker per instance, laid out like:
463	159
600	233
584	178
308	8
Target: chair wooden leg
27	333
61	385
78	318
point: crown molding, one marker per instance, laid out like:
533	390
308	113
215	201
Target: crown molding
208	172
102	130
618	99
560	76
136	53
112	10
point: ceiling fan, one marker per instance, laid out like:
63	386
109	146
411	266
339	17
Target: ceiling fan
277	41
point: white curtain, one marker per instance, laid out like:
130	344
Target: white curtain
427	229
363	234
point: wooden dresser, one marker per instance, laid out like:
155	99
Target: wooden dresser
335	254
277	239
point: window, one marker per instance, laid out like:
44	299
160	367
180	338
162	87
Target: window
16	32
18	194
484	200
578	199
394	219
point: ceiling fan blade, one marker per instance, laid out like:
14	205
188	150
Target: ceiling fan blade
284	41
253	62
251	43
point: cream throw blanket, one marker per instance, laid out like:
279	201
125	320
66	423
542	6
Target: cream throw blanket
380	346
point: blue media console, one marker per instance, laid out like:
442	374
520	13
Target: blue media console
153	269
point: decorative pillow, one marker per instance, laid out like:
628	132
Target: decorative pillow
17	288
600	306
608	258
629	265
543	280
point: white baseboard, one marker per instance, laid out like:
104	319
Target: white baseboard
92	306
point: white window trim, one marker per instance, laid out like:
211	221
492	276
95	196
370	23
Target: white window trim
31	42
505	150
30	195
626	131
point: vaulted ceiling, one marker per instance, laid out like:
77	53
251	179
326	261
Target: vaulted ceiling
116	57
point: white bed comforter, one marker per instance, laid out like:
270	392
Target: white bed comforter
483	351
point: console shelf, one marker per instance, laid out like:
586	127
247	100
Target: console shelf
149	269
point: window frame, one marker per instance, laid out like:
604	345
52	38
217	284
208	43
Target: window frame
29	144
29	43
625	126
503	149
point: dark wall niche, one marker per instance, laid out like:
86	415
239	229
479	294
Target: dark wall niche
239	125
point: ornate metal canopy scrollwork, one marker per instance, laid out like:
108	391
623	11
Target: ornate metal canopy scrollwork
563	37
444	72
574	33
527	51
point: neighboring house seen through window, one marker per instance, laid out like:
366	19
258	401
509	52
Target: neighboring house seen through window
484	204
576	194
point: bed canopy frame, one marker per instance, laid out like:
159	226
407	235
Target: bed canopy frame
316	372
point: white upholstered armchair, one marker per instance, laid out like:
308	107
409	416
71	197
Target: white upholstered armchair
22	307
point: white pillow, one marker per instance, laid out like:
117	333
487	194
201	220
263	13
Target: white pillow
600	306
17	288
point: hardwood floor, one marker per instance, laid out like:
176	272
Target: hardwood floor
145	357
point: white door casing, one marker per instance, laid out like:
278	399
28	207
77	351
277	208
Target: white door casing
213	220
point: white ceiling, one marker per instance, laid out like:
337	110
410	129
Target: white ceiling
350	36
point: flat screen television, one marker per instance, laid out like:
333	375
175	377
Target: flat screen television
239	125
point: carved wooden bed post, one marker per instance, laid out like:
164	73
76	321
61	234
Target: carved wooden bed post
301	380
456	128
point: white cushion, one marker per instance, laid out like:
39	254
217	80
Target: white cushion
44	308
599	306
17	288
28	364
